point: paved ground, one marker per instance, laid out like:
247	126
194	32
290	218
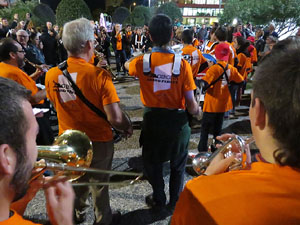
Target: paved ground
129	199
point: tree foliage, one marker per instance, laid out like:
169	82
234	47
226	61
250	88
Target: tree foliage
68	10
170	9
285	14
139	16
120	15
41	13
19	7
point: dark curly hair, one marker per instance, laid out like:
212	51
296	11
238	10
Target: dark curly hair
277	84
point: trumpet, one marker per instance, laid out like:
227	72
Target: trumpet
71	155
235	145
44	68
100	57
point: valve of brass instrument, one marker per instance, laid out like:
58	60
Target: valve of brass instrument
235	145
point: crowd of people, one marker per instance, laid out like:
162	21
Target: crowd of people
217	60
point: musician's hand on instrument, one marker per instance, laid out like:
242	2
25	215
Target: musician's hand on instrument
60	202
102	63
223	138
219	164
45	67
36	74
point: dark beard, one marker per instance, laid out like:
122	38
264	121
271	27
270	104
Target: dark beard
20	180
21	63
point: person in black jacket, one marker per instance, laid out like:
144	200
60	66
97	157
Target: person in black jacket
50	47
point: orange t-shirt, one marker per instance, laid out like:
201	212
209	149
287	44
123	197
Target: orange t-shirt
128	34
266	194
95	84
17	219
254	56
217	97
163	90
194	58
119	42
18	75
244	65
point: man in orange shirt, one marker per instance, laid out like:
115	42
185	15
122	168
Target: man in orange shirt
12	60
166	90
268	193
96	85
118	41
18	154
217	98
192	54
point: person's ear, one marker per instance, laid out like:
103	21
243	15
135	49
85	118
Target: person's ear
260	115
7	160
12	55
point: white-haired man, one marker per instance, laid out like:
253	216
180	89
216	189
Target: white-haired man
96	85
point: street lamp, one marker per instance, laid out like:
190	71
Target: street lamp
133	4
149	3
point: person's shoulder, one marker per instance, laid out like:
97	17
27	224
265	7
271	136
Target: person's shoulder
53	70
18	219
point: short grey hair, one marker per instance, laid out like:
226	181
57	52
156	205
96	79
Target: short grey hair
75	35
21	32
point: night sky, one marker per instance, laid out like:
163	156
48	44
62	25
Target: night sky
93	4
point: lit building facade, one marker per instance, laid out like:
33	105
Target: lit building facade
197	12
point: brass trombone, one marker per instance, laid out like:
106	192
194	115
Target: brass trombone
72	155
234	145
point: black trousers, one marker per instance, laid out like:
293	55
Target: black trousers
210	122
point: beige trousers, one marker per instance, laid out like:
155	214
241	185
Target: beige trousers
102	159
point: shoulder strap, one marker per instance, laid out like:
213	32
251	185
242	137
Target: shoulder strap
219	78
225	73
176	64
63	67
146	63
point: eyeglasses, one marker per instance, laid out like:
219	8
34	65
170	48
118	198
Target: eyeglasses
21	51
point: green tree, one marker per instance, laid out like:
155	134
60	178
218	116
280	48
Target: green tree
120	15
139	16
41	14
19	7
68	10
171	10
285	14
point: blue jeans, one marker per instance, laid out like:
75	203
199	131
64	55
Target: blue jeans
120	59
154	173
